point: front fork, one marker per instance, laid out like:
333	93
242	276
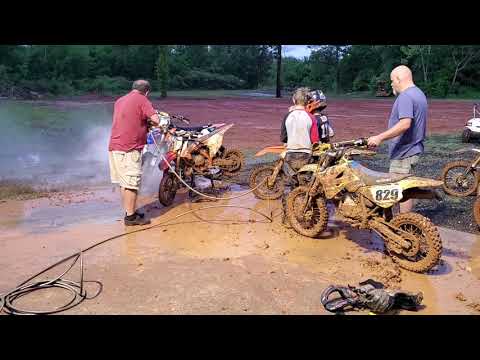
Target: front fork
311	193
273	177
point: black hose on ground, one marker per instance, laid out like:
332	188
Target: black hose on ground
77	289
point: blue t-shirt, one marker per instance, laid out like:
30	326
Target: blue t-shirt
411	103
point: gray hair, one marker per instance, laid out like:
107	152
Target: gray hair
141	85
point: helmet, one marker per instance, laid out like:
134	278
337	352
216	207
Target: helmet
316	100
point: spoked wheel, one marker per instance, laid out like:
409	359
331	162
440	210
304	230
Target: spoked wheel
265	192
167	189
238	160
459	179
310	221
425	251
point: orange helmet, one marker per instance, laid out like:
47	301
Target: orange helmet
316	101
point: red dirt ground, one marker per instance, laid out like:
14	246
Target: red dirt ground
257	121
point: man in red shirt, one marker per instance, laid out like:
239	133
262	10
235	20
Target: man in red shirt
128	137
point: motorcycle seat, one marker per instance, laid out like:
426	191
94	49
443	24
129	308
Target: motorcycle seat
371	177
193	128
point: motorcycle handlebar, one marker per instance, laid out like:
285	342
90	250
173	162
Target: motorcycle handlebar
356	142
174	116
181	118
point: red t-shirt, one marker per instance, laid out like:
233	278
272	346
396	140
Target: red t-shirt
129	127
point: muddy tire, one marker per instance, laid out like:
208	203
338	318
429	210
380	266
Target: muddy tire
429	246
317	216
466	135
455	183
476	210
167	189
258	175
239	160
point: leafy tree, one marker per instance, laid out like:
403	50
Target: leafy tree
161	69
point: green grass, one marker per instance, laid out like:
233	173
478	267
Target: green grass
14	190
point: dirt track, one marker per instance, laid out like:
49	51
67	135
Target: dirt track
257	121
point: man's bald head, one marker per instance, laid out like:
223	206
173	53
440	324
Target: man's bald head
141	85
402	72
401	78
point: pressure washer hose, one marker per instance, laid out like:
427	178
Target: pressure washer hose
77	290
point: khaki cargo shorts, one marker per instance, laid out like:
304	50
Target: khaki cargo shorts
126	168
404	166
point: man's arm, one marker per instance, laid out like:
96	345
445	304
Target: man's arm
155	119
149	112
399	128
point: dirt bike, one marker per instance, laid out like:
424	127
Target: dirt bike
365	199
193	151
277	174
461	178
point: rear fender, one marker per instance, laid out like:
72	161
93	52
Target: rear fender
387	195
213	140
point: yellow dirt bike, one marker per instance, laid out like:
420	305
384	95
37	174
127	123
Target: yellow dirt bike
365	199
277	174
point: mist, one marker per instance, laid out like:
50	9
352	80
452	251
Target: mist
54	145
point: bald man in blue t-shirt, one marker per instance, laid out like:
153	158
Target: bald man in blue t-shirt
406	126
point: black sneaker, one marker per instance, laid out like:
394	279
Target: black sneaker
139	214
137	220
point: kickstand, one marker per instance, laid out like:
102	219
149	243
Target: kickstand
214	190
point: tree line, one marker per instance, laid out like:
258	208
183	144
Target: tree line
441	70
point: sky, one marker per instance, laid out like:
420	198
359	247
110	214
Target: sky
297	51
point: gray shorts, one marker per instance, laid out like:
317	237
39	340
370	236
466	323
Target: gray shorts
404	166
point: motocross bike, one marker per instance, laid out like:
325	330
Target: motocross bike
461	178
193	151
365	199
274	177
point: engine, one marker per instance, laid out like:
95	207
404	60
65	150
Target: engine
199	162
349	207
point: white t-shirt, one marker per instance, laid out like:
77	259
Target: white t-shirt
298	124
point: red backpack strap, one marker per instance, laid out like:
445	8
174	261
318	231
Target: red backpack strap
314	137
